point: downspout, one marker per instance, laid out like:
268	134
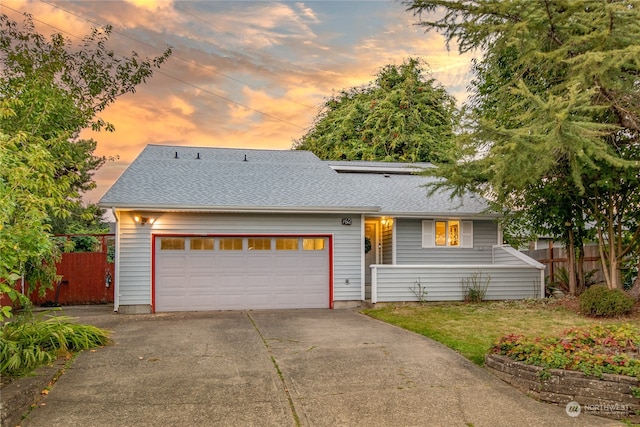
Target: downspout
116	279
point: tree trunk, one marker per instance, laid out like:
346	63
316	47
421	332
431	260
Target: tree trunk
572	264
635	289
581	286
603	260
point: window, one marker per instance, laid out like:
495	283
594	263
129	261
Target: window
259	244
453	233
441	233
172	244
285	244
447	233
201	243
230	244
313	244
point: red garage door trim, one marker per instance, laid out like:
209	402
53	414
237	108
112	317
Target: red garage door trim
153	255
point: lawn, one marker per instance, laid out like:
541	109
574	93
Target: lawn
471	329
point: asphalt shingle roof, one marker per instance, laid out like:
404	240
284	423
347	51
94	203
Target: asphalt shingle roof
279	180
407	195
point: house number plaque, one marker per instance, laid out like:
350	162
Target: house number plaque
346	221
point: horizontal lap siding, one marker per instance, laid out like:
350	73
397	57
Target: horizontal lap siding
134	270
135	245
501	255
445	284
387	243
409	248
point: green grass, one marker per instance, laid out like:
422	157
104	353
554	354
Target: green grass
471	329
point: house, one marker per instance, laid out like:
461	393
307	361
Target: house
225	229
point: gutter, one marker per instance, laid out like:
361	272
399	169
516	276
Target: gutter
440	215
245	209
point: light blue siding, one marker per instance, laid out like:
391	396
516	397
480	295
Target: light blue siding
409	248
514	277
134	270
387	243
444	283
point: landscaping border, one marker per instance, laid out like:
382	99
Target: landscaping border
610	396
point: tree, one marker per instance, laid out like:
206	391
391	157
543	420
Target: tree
556	105
49	92
403	115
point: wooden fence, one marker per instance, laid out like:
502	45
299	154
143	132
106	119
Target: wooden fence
87	277
555	259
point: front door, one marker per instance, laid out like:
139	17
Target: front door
371	257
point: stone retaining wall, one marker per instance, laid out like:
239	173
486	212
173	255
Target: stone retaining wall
610	396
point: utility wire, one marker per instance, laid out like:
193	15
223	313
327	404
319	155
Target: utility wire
174	77
229	100
188	61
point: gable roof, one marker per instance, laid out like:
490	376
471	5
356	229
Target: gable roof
208	179
244	180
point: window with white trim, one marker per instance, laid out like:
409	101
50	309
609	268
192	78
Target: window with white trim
452	233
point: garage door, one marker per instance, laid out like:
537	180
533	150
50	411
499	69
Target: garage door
237	273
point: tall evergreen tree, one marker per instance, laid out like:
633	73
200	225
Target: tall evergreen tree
556	105
403	115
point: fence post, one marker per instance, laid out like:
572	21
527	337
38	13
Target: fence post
551	261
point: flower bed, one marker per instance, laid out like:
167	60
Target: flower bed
597	367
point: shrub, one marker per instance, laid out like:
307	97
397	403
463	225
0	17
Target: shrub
474	287
419	291
561	280
28	342
601	301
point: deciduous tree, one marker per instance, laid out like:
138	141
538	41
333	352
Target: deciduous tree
556	105
50	91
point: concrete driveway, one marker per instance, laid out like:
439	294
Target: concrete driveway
279	368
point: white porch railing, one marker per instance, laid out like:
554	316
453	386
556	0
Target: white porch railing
512	275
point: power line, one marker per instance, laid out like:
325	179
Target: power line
188	61
173	77
229	100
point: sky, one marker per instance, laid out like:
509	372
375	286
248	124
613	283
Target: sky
243	74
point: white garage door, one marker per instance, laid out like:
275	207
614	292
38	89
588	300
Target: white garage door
237	273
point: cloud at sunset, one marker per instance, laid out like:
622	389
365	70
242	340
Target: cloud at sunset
242	74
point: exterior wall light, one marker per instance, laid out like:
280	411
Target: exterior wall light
142	220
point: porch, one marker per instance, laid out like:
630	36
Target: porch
509	275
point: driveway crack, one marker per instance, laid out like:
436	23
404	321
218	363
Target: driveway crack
294	413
